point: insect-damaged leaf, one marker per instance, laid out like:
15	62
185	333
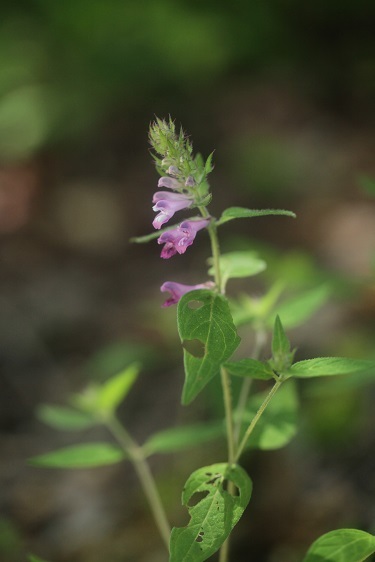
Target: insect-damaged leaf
213	511
205	325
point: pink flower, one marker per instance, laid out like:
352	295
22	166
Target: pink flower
167	204
177	290
171	183
178	239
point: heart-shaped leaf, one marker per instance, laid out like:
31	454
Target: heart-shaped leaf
208	335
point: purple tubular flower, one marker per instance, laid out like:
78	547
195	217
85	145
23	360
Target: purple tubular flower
178	290
170	183
178	239
167	204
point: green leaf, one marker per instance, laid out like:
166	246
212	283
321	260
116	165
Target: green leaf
115	389
343	545
242	213
239	264
65	419
250	368
209	166
281	354
80	456
213	511
33	558
185	437
330	366
296	310
278	424
208	336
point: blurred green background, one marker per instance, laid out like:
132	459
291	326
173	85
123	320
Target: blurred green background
284	92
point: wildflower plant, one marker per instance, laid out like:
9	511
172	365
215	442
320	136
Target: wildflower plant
207	319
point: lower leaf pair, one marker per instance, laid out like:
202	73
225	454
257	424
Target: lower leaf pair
216	497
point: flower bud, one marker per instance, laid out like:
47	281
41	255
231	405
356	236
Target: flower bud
190	181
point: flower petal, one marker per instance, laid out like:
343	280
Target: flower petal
177	290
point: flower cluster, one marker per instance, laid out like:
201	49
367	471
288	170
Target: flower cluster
185	176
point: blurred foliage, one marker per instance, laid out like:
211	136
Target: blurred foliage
10	540
64	66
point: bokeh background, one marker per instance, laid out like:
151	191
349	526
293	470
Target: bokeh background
284	93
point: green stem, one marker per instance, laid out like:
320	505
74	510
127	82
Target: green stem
224	551
256	418
144	474
260	339
216	256
225	383
215	248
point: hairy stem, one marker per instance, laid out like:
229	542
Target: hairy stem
256	418
144	474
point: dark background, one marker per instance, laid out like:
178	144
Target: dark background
284	93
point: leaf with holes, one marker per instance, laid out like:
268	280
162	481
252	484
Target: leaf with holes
208	335
342	545
213	510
